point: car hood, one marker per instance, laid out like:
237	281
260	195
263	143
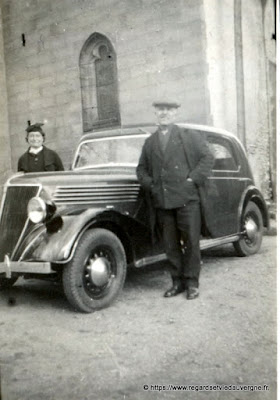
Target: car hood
78	177
80	189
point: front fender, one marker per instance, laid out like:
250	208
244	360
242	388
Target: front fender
56	247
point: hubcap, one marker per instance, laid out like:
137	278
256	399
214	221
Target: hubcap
98	271
251	229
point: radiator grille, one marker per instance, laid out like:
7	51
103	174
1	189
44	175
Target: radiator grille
14	217
98	194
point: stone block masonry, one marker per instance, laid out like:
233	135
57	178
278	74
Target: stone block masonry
159	47
5	162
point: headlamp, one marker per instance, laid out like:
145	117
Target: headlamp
37	210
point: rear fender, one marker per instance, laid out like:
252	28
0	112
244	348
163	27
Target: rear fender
253	194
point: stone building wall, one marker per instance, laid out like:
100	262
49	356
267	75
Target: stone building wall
219	21
270	53
186	51
160	51
5	151
256	18
256	94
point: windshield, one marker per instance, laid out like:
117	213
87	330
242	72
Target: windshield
112	151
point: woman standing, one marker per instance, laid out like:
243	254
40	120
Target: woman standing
38	158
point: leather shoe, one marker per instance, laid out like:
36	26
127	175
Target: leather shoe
176	289
192	293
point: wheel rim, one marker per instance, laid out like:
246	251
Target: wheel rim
99	272
252	229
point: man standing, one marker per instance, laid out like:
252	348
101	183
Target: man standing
174	164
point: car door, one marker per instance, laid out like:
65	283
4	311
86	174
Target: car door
225	186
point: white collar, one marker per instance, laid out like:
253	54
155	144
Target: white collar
35	150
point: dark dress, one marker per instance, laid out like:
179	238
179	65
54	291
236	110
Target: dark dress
45	160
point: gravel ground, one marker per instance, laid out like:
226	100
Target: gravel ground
225	337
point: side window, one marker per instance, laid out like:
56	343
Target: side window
223	154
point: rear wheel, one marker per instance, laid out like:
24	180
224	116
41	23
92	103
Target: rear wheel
96	274
252	226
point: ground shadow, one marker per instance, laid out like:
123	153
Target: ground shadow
37	294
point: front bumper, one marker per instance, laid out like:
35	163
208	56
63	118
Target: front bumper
24	267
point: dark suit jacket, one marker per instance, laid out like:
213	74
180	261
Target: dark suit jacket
151	164
52	162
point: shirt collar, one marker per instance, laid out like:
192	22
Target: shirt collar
34	150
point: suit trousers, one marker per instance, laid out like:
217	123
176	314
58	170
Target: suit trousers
180	229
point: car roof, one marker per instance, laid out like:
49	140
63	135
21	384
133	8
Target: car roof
119	131
148	129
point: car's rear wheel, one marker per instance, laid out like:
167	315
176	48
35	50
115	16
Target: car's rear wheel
6	283
252	228
96	274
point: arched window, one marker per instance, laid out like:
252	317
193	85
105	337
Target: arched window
99	83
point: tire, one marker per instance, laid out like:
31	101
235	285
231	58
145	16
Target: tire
252	226
96	274
6	283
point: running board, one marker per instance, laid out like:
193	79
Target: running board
204	244
208	243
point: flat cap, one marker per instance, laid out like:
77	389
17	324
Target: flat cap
166	103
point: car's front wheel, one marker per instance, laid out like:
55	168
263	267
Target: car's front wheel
96	274
252	227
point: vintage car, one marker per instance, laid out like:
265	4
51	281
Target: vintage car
85	226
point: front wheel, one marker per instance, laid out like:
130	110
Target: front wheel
252	226
96	274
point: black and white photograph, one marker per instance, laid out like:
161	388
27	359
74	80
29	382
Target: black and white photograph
138	199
